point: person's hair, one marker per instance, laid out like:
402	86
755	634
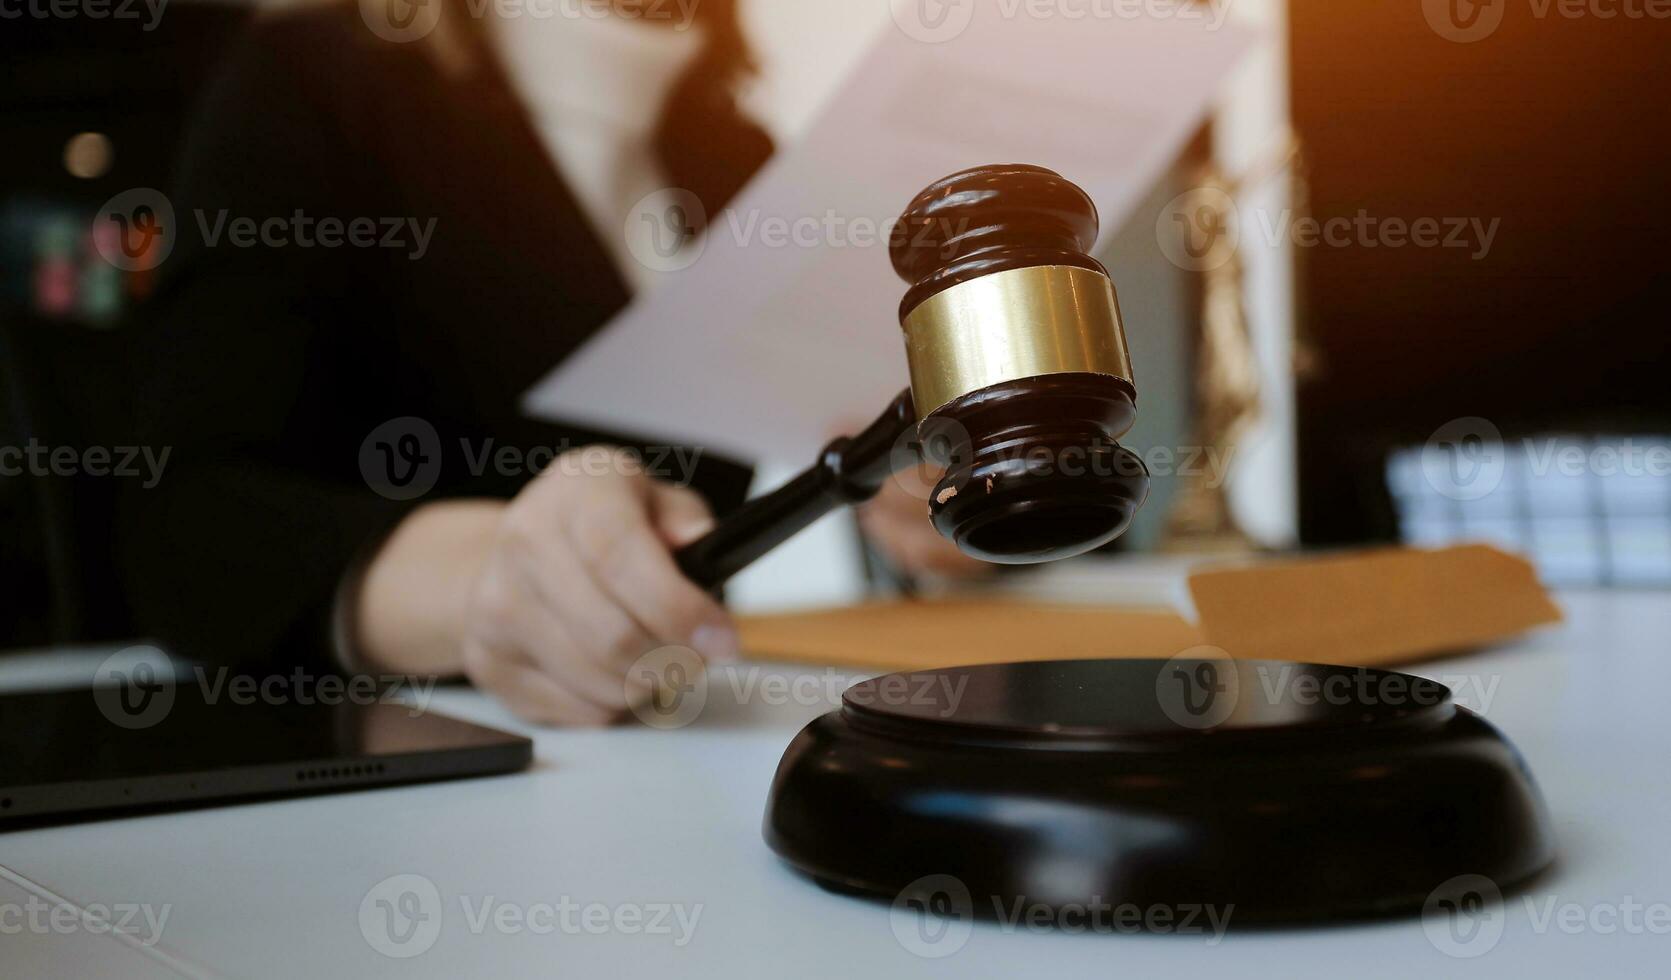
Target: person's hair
703	140
706	144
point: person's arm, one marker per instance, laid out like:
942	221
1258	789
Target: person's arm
895	522
404	610
547	600
262	389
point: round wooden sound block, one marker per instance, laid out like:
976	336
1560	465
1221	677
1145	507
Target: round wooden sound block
1292	792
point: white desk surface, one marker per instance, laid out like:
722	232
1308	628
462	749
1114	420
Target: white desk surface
637	816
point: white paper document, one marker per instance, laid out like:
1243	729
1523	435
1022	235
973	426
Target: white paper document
781	324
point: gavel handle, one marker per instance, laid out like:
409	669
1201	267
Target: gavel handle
850	470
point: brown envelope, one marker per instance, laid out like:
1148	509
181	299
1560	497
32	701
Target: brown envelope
937	633
1376	607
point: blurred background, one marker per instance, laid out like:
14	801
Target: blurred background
1404	282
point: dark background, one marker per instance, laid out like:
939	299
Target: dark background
63	381
1558	127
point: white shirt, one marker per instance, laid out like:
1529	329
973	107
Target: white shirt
595	87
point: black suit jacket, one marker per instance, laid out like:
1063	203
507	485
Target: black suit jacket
266	368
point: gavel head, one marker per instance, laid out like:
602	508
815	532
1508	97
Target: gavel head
1019	369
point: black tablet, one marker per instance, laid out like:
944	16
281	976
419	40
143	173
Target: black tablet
68	755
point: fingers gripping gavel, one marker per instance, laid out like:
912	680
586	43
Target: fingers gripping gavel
1020	385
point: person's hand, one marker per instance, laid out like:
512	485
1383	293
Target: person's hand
579	582
896	522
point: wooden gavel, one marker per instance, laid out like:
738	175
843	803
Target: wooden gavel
1020	385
